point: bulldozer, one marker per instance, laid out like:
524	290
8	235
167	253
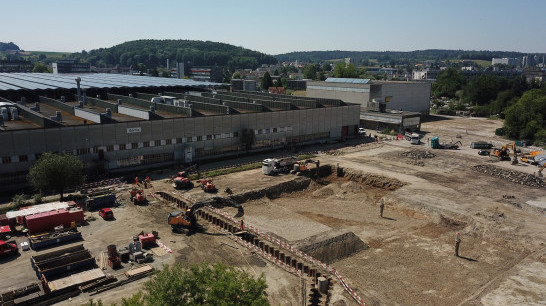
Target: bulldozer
186	221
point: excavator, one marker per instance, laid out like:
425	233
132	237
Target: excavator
502	153
301	165
187	220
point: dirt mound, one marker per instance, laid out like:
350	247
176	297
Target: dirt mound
511	176
418	154
332	245
370	179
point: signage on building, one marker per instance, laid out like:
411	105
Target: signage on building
133	130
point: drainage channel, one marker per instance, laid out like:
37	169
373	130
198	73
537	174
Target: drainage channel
272	249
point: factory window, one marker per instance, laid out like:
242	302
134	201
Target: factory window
157	143
267	131
109	148
218	136
189	139
134	145
235	134
95	149
209	137
170	141
82	151
260	131
274	130
122	147
23	158
146	144
179	140
6	160
199	138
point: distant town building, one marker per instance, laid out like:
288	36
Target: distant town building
427	74
71	66
510	61
15	66
200	73
535	74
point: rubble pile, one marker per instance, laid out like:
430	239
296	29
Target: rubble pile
511	175
418	154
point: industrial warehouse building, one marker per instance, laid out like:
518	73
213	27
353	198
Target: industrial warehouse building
392	105
114	125
400	95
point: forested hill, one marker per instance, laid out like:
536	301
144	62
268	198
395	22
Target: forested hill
154	53
398	57
8	46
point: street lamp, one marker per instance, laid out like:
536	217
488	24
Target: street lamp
78	80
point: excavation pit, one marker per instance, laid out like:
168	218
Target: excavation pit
332	245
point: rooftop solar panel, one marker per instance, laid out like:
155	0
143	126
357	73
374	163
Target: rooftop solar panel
32	81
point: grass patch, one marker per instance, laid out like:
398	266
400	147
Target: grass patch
306	156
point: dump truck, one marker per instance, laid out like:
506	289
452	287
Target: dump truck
273	166
435	144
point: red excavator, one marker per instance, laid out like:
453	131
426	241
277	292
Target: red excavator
181	221
138	197
207	185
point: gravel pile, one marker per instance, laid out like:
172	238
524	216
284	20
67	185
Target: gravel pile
511	176
418	154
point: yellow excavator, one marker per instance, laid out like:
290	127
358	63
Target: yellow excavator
181	221
504	152
530	157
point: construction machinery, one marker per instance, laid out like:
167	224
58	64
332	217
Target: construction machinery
180	182
435	144
503	153
301	165
530	157
137	196
207	185
273	166
187	220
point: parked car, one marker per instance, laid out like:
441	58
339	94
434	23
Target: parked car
106	213
484	152
361	131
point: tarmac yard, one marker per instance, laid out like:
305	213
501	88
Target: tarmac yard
405	257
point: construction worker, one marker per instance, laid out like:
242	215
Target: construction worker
381	208
457	243
242	225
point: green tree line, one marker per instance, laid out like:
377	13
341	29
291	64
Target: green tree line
522	104
154	53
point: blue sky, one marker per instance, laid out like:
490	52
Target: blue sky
280	26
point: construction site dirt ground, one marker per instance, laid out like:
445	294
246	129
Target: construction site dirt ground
408	255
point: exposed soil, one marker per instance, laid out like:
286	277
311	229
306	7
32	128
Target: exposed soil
405	257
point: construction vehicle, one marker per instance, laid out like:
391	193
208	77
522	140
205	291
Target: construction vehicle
138	197
187	221
207	185
435	144
180	182
8	248
529	157
273	166
301	165
503	153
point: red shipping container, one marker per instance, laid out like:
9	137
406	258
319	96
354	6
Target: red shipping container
76	215
47	221
9	222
